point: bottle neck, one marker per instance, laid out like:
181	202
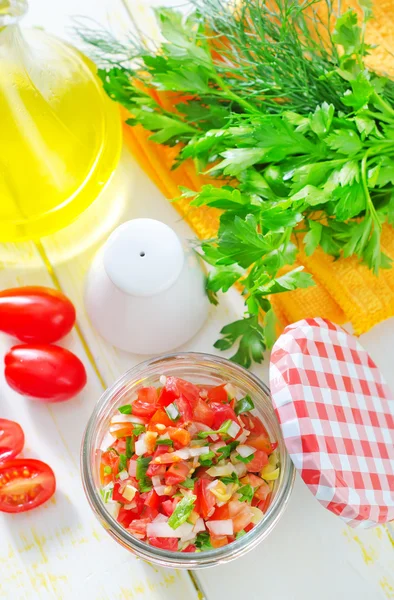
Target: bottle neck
11	11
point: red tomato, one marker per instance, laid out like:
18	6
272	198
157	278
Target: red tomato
263	491
156	470
252	480
138	528
264	504
259	461
180	437
205	499
177	473
116	493
146	403
218	394
25	483
203	413
174	388
164	543
36	314
149	513
12	439
126	516
221	513
168	507
109	459
223	412
160	417
254	425
185	409
190	548
240	515
44	371
153	500
260	442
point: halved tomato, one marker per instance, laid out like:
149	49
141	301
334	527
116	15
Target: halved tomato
146	403
177	473
203	413
223	412
25	483
12	439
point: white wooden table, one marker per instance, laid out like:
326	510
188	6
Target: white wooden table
60	551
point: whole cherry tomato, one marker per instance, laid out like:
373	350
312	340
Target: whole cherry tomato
36	314
24	484
44	371
12	439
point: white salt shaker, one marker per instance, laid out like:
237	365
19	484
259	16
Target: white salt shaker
145	292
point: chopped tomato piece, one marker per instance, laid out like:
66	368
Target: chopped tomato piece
177	473
223	412
263	491
138	528
218	394
180	437
185	409
206	500
121	430
156	470
249	527
146	403
254	425
110	459
126	516
190	548
221	513
169	392
203	413
260	442
164	543
168	507
161	449
166	459
153	500
175	388
149	513
159	418
264	504
217	541
259	460
240	514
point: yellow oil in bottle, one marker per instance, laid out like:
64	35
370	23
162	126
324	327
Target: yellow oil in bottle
60	136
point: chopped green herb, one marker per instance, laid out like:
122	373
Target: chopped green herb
182	511
164	442
122	462
107	470
232	479
244	405
145	483
247	493
188	483
129	447
138	429
246	459
225	451
223	429
240	534
203	541
205	460
125	410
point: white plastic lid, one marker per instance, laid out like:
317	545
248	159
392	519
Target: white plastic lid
143	257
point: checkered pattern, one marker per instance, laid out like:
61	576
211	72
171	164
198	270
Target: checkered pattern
337	417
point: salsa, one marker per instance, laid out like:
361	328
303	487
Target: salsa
188	468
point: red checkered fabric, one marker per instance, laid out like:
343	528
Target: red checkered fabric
337	417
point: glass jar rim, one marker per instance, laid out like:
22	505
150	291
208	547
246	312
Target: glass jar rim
180	559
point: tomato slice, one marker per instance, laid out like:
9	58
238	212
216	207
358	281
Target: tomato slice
223	412
218	394
165	543
203	413
12	439
146	403
25	483
177	473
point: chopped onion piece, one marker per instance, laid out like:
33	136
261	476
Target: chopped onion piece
243	437
233	429
184	453
160	519
127	419
212	484
222	527
224	471
130	505
164	530
172	411
163	379
160	490
140	446
240	469
113	508
156	480
198	451
230	389
123	475
129	492
133	468
214	437
108	440
199	526
245	451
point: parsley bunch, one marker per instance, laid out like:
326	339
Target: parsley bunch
280	104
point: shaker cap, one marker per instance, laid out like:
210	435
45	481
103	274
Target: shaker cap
337	417
143	257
